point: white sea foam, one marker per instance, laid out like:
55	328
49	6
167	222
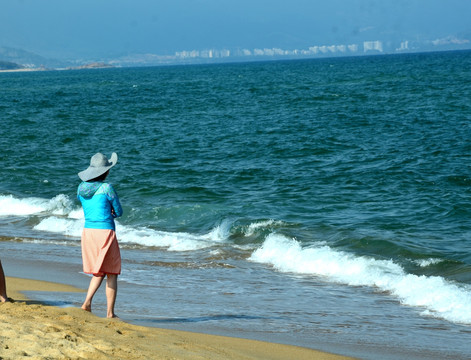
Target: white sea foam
60	225
220	232
434	295
76	214
21	207
172	241
253	227
60	205
68	220
427	262
11	206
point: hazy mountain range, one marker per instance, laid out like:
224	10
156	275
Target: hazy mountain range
25	59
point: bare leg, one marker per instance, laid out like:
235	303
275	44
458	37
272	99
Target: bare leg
3	287
95	283
111	292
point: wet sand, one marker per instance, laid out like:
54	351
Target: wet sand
38	331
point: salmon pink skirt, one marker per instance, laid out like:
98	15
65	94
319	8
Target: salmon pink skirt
100	252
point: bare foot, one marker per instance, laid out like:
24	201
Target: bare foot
113	316
87	308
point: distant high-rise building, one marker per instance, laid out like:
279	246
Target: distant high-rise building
404	46
372	46
353	47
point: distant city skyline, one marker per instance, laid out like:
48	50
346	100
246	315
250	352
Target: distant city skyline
367	46
375	47
112	29
29	60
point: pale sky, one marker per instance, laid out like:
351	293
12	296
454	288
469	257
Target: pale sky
74	28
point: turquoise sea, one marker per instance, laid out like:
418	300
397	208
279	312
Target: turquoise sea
324	203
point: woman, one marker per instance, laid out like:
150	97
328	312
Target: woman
100	251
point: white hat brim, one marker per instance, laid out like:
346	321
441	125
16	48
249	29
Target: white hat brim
93	172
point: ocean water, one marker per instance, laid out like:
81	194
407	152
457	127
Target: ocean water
322	203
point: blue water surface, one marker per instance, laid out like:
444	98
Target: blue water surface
367	156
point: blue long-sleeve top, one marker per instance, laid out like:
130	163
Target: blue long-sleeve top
98	200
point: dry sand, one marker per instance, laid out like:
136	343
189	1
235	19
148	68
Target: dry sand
30	330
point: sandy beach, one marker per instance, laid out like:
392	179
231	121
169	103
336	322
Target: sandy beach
38	331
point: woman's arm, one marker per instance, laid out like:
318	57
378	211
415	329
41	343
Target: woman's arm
116	209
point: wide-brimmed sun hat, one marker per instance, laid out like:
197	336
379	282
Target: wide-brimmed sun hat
99	164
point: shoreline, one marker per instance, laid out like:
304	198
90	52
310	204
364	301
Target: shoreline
37	330
21	70
81	67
